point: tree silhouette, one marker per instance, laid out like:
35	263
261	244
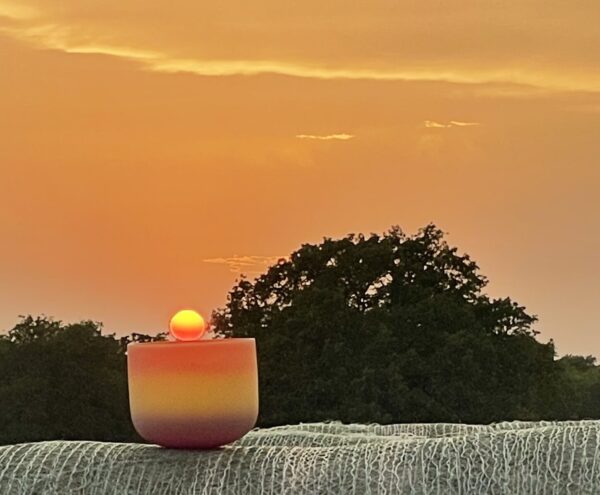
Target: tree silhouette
388	328
63	382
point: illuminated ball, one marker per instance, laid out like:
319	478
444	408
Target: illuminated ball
187	324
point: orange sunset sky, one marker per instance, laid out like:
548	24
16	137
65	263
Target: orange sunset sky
151	150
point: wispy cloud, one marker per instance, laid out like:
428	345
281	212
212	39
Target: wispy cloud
78	39
432	124
246	264
58	37
16	11
326	137
457	123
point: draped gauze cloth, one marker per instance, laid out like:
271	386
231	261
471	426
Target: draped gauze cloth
323	458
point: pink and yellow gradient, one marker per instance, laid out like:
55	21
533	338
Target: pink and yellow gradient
193	394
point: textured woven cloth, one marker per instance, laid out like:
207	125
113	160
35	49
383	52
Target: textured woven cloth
516	457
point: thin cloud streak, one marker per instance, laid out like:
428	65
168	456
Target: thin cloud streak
327	137
432	124
61	38
533	79
55	37
457	123
245	264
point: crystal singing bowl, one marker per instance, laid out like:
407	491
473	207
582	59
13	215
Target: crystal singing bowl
193	395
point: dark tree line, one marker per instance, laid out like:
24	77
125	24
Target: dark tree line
384	328
64	382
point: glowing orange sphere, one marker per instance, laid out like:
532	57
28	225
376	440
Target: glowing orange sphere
187	324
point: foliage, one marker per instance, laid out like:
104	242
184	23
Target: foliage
389	328
580	386
382	328
63	381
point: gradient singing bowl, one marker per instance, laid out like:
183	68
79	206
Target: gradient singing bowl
193	395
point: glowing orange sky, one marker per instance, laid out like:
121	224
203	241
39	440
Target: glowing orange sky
149	151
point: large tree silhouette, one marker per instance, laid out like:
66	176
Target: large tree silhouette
388	328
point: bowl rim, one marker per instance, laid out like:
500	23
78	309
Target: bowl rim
217	341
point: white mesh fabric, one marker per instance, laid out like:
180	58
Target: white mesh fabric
515	457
